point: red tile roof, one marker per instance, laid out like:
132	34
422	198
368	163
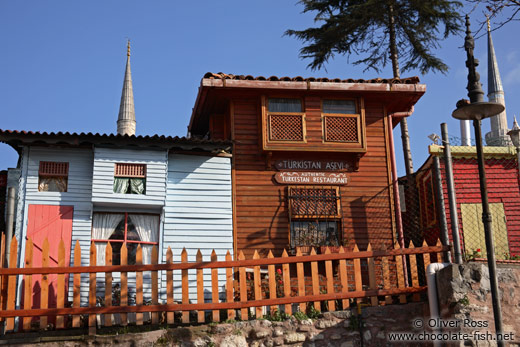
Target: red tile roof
223	76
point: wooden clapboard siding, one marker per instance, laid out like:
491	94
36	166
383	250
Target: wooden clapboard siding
103	182
503	188
198	213
78	194
261	209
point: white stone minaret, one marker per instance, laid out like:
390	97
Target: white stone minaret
498	134
126	118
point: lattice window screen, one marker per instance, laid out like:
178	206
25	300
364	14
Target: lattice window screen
130	170
51	168
285	127
341	129
315	202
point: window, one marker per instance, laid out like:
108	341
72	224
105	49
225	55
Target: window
429	202
473	229
341	123
130	178
314	214
53	176
117	228
285	120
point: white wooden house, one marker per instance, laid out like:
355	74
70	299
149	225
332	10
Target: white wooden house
68	189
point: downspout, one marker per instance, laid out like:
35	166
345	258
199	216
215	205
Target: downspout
11	199
452	196
433	301
397	203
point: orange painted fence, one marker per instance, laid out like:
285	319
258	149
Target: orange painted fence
274	282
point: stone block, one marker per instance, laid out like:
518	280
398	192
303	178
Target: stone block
277	332
294	338
324	324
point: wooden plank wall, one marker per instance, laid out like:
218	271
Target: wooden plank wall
261	212
103	183
198	212
503	187
78	195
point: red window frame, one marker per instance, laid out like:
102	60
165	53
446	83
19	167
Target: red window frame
126	232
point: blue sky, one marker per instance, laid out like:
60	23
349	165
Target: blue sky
62	64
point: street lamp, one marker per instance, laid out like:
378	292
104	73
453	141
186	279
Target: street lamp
477	109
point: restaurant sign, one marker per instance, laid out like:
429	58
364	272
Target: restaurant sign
313	165
311	178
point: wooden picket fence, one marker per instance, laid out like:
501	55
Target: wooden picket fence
379	289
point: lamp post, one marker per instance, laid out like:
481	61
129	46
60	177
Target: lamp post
514	134
477	109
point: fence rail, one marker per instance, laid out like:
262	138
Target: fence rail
330	278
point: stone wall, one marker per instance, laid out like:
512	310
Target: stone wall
340	328
465	301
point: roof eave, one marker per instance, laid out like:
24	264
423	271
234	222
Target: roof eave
210	83
19	139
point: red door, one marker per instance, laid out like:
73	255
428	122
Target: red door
54	223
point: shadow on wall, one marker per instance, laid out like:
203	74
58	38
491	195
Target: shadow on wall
371	221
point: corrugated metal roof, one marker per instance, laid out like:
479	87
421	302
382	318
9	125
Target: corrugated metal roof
223	76
14	137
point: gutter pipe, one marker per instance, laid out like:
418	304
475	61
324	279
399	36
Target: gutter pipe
395	184
9	224
433	301
452	197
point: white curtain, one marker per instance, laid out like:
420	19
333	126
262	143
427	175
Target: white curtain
103	225
147	228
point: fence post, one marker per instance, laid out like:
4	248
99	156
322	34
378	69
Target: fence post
108	285
139	285
27	302
44	291
60	302
155	285
169	286
443	224
330	281
76	300
11	285
92	291
229	285
372	276
124	283
286	270
454	216
214	287
185	287
200	287
300	271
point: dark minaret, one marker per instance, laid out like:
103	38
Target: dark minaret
498	134
126	118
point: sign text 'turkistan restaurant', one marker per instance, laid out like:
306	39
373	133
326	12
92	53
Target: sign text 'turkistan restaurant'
311	178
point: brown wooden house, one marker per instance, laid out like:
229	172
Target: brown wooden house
312	158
